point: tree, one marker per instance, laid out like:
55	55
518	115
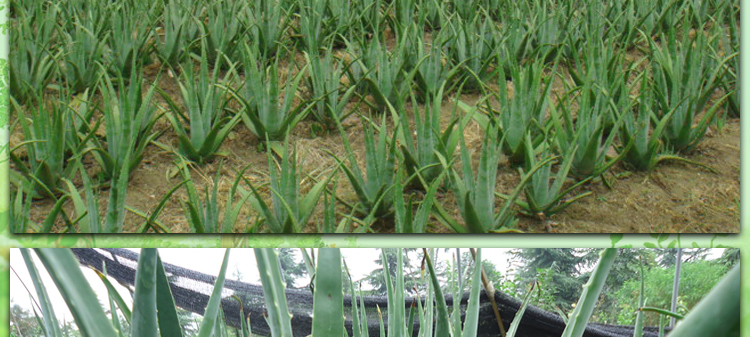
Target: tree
291	267
730	257
376	278
668	256
562	267
698	278
22	322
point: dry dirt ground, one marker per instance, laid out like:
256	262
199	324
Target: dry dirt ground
674	198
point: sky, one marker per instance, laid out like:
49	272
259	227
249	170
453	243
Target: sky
360	261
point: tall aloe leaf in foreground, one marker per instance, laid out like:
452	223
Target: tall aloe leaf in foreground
579	319
442	325
279	319
717	314
328	305
144	319
395	287
211	314
471	322
51	327
63	267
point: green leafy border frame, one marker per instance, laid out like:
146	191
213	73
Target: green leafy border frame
8	241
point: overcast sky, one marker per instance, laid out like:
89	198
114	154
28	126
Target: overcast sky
361	261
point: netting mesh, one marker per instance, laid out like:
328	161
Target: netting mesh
191	291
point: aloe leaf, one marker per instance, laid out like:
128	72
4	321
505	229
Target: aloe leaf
471	322
328	305
279	318
519	314
638	329
83	303
50	320
114	295
442	328
169	323
211	313
144	317
584	308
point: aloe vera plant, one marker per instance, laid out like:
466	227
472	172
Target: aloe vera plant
685	84
261	111
205	112
83	49
203	215
544	193
128	46
524	113
586	133
178	33
425	156
153	309
644	130
220	31
433	70
374	186
311	25
291	211
50	142
475	194
385	73
267	22
474	47
33	64
129	121
324	81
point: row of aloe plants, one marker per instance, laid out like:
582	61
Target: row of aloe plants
153	312
534	135
63	43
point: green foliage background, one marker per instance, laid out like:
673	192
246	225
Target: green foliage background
7	241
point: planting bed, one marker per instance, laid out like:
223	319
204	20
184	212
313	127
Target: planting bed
700	195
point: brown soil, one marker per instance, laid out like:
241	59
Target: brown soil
675	197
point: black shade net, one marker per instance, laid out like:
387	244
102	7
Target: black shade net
191	291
